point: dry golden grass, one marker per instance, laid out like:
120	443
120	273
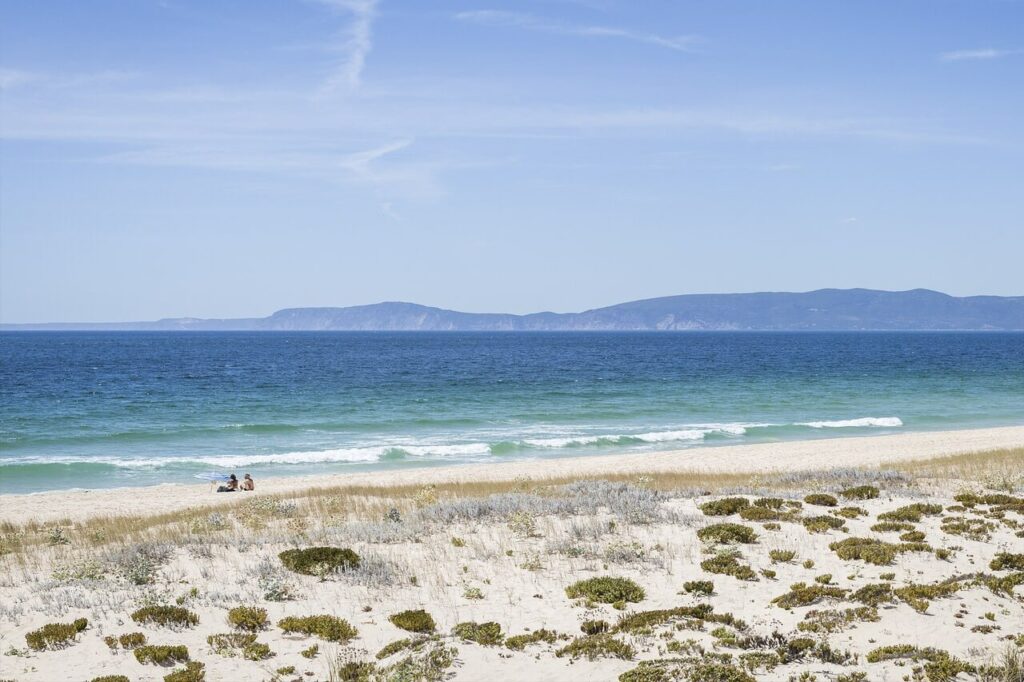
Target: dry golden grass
992	468
997	469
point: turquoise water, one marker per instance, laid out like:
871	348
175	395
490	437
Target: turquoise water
91	410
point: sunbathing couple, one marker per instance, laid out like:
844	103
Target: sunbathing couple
232	484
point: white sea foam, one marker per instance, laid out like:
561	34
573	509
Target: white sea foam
863	421
568	441
668	436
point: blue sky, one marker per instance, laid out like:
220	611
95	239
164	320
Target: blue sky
168	158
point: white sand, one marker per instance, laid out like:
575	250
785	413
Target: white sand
825	453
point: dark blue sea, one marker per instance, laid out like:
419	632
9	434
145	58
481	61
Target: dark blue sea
81	409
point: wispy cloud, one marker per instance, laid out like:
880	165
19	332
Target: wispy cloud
530	22
356	43
10	78
979	54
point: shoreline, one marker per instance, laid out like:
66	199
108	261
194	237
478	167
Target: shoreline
860	451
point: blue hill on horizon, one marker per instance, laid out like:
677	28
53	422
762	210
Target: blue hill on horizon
820	310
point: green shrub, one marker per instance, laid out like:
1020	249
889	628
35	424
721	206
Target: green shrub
520	642
727	564
912	536
850	512
55	635
194	671
1004	561
318	560
874	594
606	590
919	596
770	503
940	666
597	646
365	671
131	640
874	551
416	620
111	678
860	492
821	500
641	620
802	594
167	616
162	655
487	634
822	524
781	555
248	618
701	587
755	513
911	513
826	621
226	644
726	533
329	628
256	652
892	527
725	506
718	672
311	652
594	627
823	579
392	648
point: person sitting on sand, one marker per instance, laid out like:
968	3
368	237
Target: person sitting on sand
229	487
248	483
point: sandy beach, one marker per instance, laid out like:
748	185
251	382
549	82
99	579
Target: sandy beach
866	451
813	565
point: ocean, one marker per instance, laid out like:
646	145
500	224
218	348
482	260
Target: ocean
105	409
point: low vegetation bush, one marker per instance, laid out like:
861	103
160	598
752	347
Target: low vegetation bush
487	634
642	620
127	641
416	620
319	560
226	644
727	533
726	506
874	551
329	628
822	524
594	627
606	590
755	513
874	594
257	652
728	564
850	512
802	594
166	616
55	635
248	618
520	642
164	654
821	500
781	555
701	587
911	513
597	646
1004	561
194	671
860	492
919	596
912	536
111	678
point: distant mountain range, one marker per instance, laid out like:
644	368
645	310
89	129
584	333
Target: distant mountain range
821	310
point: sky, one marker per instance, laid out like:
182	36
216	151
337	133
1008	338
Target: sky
216	158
